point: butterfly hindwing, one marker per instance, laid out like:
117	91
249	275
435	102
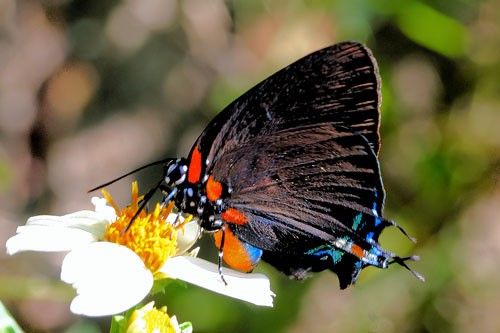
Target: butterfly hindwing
306	192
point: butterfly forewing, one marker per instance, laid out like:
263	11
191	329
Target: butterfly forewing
338	85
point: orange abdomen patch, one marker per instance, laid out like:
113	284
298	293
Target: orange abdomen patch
237	254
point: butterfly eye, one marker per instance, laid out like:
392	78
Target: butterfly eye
176	172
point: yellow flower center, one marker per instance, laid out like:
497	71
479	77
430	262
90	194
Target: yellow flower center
149	235
150	319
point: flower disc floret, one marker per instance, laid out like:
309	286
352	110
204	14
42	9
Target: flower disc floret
150	319
152	238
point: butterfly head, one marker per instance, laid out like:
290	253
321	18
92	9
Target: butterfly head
175	181
175	172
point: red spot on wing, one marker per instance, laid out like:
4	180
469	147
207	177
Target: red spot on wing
214	189
234	216
357	251
194	170
235	254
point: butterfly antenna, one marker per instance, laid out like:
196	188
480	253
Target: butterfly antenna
144	202
129	173
401	261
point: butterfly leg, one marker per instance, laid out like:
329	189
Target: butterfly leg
171	193
177	218
221	254
143	204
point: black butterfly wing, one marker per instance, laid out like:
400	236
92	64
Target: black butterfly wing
299	153
307	193
338	85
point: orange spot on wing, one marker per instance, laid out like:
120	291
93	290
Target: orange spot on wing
233	215
214	189
357	251
235	254
194	170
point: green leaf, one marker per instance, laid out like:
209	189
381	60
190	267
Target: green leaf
433	29
118	324
7	323
160	285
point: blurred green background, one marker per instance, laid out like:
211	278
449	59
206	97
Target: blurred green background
90	89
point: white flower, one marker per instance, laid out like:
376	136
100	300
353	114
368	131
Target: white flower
113	270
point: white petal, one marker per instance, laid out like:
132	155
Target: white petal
175	324
187	236
102	208
61	233
85	217
87	220
108	278
47	239
253	288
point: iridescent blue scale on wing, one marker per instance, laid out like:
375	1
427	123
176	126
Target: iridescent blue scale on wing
357	221
254	253
327	252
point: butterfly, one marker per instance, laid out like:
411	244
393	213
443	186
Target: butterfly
288	173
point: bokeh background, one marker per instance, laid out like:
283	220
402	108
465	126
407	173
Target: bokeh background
90	89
